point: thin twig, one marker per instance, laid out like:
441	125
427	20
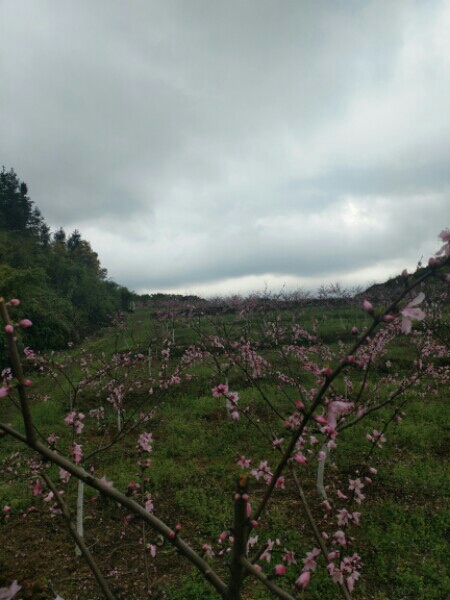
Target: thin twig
313	525
264	580
78	540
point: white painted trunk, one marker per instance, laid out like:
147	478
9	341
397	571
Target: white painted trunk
320	473
80	514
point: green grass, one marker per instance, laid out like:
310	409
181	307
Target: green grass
404	536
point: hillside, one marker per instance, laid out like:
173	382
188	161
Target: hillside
62	286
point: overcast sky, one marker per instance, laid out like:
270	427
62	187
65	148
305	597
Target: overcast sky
212	147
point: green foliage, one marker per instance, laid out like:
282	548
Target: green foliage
59	280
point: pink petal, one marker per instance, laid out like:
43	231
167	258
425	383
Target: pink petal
9	592
417	300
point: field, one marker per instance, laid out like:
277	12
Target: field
403	537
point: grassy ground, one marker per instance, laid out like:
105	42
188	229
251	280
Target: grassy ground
404	535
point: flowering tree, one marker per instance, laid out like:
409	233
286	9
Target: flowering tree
328	391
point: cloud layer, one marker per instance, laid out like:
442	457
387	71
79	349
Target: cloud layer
211	147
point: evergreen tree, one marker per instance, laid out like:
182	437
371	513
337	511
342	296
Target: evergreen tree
59	279
15	206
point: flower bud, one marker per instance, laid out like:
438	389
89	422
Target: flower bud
303	581
367	306
279	570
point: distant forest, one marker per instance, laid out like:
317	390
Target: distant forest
59	280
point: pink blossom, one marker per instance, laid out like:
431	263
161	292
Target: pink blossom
355	330
356	517
337	409
410	313
37	488
233	397
244	462
331	444
300	459
64	475
267	554
14	302
343	517
350	583
327	504
289	557
77	453
279	569
280	483
9	329
339	538
223	536
7	593
25	323
79	426
106	482
262	471
52	439
70	418
377	438
144	442
356	485
321	420
29	353
367	306
404	273
309	562
302	582
220	390
207	549
445	237
335	573
4	391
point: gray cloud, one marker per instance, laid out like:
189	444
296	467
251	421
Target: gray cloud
206	144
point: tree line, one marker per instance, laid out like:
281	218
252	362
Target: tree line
64	289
